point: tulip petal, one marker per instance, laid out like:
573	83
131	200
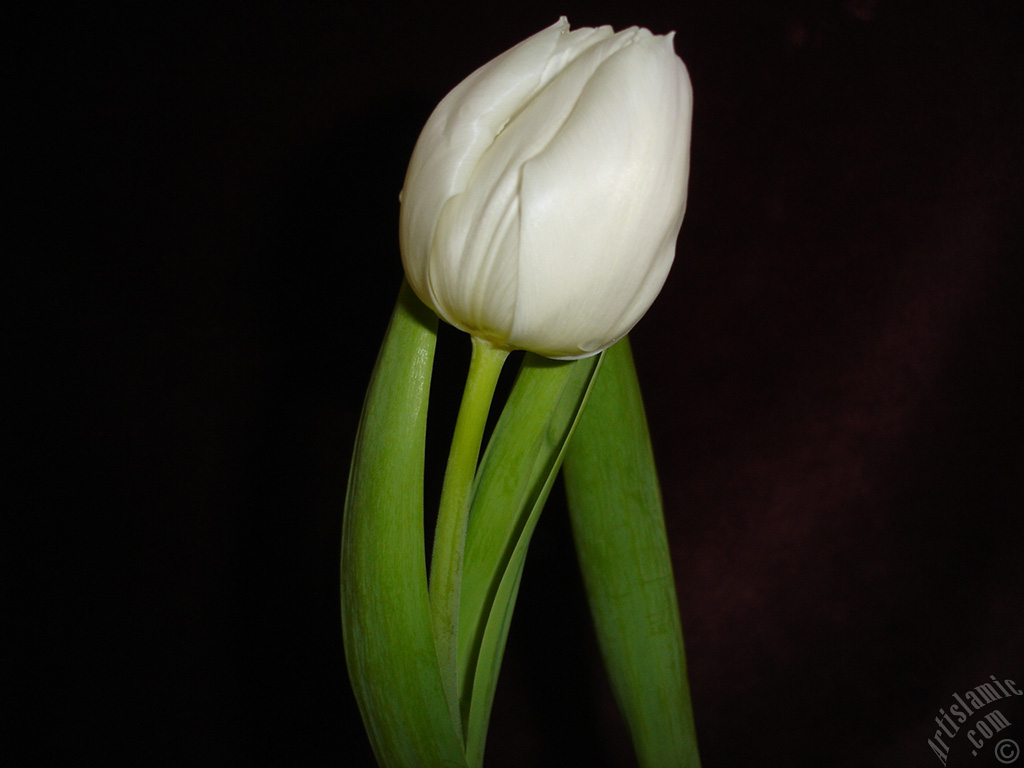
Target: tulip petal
612	182
463	126
545	194
474	261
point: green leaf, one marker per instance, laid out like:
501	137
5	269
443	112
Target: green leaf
513	482
616	512
389	646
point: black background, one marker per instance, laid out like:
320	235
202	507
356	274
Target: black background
833	376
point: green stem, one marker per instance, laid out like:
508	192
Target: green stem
453	513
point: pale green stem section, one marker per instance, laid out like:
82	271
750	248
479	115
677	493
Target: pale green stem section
453	513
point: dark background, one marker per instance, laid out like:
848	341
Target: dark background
833	375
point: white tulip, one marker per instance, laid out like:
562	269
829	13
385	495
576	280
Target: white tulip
545	194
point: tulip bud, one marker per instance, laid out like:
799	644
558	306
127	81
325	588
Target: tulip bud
545	194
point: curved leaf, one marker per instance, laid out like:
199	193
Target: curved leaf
389	646
513	482
616	513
